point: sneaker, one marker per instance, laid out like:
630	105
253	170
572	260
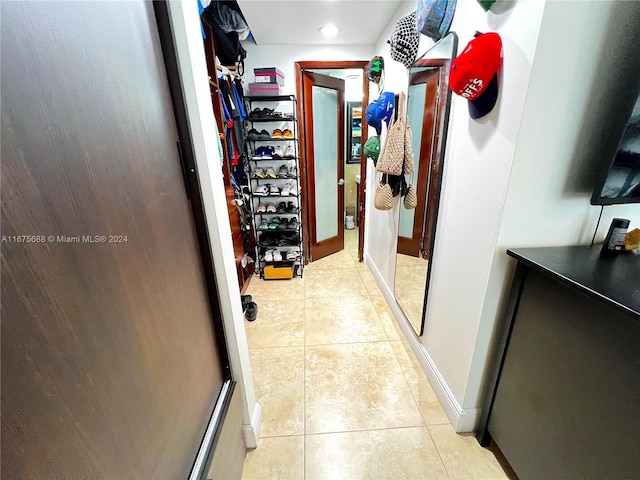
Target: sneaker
260	173
291	208
283	171
278	153
286	189
288	152
253	135
262	190
293	172
293	224
271	173
271	208
264	135
282	208
277	133
251	312
273	190
268	256
293	254
257	154
277	256
267	153
286	133
261	208
264	225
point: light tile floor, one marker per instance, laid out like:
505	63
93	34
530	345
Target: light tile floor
342	395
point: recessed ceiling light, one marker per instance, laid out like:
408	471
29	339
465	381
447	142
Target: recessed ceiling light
329	30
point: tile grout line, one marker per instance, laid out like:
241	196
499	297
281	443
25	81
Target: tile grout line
438	450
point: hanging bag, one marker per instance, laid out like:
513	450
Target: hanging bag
383	198
392	156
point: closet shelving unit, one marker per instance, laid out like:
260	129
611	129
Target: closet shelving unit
262	244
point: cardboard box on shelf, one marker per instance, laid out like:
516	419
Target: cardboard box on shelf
268	75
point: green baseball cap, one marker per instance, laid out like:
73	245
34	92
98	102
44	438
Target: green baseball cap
486	4
372	149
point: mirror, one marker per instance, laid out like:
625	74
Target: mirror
428	103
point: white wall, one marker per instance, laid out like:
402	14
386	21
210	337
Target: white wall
285	56
520	176
571	110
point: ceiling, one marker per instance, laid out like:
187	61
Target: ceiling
296	22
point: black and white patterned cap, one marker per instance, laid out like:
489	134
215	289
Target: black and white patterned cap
404	40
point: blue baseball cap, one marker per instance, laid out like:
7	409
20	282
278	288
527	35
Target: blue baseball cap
381	109
372	120
434	17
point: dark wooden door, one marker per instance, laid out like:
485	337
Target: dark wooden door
324	123
110	365
427	82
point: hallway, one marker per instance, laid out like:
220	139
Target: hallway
342	395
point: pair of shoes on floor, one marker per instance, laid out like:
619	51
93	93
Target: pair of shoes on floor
249	308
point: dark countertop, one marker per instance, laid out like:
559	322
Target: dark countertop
614	281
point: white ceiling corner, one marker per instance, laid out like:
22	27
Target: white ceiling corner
296	22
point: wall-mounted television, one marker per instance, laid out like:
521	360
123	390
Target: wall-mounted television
620	182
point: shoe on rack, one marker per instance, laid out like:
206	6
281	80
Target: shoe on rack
264	135
293	172
259	173
277	256
282	208
289	153
257	154
291	208
286	189
283	171
286	133
293	224
268	256
253	135
273	190
267	153
277	133
278	153
271	208
264	225
261	208
270	172
262	190
251	312
293	254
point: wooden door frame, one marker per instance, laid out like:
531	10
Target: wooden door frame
323	250
428	138
435	176
191	178
360	209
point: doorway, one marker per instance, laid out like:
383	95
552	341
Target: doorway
333	166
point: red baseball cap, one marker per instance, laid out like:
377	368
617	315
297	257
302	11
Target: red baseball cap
474	73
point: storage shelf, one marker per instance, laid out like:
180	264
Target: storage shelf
257	120
277	139
274	196
275	213
273	159
273	98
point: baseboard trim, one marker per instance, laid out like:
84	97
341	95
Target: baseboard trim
462	420
252	432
